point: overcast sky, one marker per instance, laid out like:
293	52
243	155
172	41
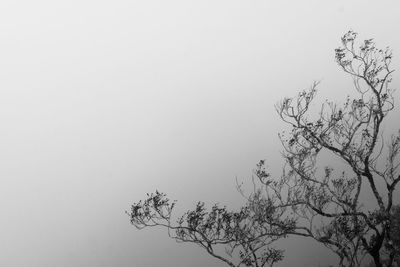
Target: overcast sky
103	101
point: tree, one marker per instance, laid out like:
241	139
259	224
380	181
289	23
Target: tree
310	200
245	235
394	240
352	133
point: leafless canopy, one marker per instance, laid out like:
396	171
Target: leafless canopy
327	205
238	238
310	199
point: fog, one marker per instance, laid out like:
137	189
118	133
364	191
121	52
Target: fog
104	101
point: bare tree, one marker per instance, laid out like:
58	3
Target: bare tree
326	205
239	238
310	200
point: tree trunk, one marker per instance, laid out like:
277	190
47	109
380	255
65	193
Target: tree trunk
377	260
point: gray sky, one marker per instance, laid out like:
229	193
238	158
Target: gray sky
103	101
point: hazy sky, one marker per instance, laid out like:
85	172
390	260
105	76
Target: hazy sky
103	101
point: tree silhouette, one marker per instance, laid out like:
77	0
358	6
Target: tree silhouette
310	199
352	133
238	238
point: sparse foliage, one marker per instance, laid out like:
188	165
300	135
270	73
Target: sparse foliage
310	199
240	238
326	204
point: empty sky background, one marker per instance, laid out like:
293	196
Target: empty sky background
103	101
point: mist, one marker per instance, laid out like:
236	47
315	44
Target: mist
104	101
